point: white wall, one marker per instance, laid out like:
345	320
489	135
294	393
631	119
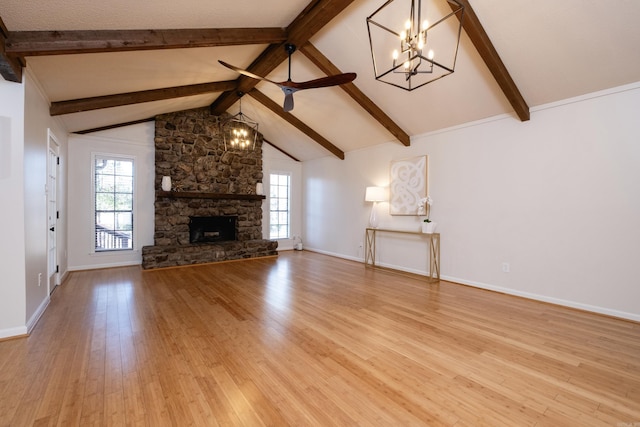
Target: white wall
24	130
273	161
36	140
557	197
12	255
137	141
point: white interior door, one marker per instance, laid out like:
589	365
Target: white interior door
52	213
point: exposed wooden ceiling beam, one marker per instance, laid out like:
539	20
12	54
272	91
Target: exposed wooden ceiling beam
292	120
487	51
316	15
38	43
352	90
10	66
108	101
266	62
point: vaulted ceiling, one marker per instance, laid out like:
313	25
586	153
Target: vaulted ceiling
117	62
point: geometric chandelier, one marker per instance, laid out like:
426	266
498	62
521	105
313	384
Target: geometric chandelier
239	131
414	42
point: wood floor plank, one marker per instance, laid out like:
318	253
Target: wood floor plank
307	339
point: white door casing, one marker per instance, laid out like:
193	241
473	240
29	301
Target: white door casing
52	213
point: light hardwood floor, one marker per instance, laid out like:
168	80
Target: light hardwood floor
310	340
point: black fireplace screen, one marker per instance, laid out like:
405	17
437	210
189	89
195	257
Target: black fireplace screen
212	228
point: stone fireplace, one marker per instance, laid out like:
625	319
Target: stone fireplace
207	182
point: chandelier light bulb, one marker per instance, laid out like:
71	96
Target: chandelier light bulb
420	43
407	65
395	55
430	54
425	25
407	25
403	35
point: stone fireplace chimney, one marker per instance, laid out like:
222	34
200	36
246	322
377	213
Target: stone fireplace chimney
206	182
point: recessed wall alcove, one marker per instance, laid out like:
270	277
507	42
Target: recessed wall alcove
206	181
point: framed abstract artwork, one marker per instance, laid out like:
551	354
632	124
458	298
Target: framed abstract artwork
408	185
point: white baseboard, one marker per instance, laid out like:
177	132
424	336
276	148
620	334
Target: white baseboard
13	332
26	330
38	313
350	258
536	297
543	298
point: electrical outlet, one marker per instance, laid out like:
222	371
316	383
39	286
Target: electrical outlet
506	267
39	279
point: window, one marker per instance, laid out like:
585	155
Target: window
280	205
113	196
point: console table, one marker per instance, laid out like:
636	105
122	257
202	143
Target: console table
434	249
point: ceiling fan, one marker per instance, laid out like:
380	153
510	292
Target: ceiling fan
289	87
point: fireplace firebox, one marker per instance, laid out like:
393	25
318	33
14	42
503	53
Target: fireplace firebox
212	228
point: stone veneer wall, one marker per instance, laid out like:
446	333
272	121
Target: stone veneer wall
190	149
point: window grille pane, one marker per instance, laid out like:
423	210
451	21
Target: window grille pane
105	183
124	184
124	168
124	221
105	202
123	202
106	219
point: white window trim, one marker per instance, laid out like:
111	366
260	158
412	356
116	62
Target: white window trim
92	246
290	175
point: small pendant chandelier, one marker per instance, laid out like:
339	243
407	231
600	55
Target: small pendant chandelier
410	51
239	131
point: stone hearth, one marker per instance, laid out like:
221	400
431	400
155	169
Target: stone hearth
206	181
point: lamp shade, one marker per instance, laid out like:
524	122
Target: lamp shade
374	194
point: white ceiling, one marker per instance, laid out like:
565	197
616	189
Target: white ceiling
553	51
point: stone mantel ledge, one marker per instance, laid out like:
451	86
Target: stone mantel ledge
204	195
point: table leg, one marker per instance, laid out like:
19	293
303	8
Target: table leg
434	257
370	247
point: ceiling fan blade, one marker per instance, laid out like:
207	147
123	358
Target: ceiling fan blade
289	86
288	102
246	73
335	80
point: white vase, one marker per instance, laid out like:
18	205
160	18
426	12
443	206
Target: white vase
373	218
429	227
259	189
166	183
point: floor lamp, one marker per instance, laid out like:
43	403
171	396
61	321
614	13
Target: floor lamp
375	195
